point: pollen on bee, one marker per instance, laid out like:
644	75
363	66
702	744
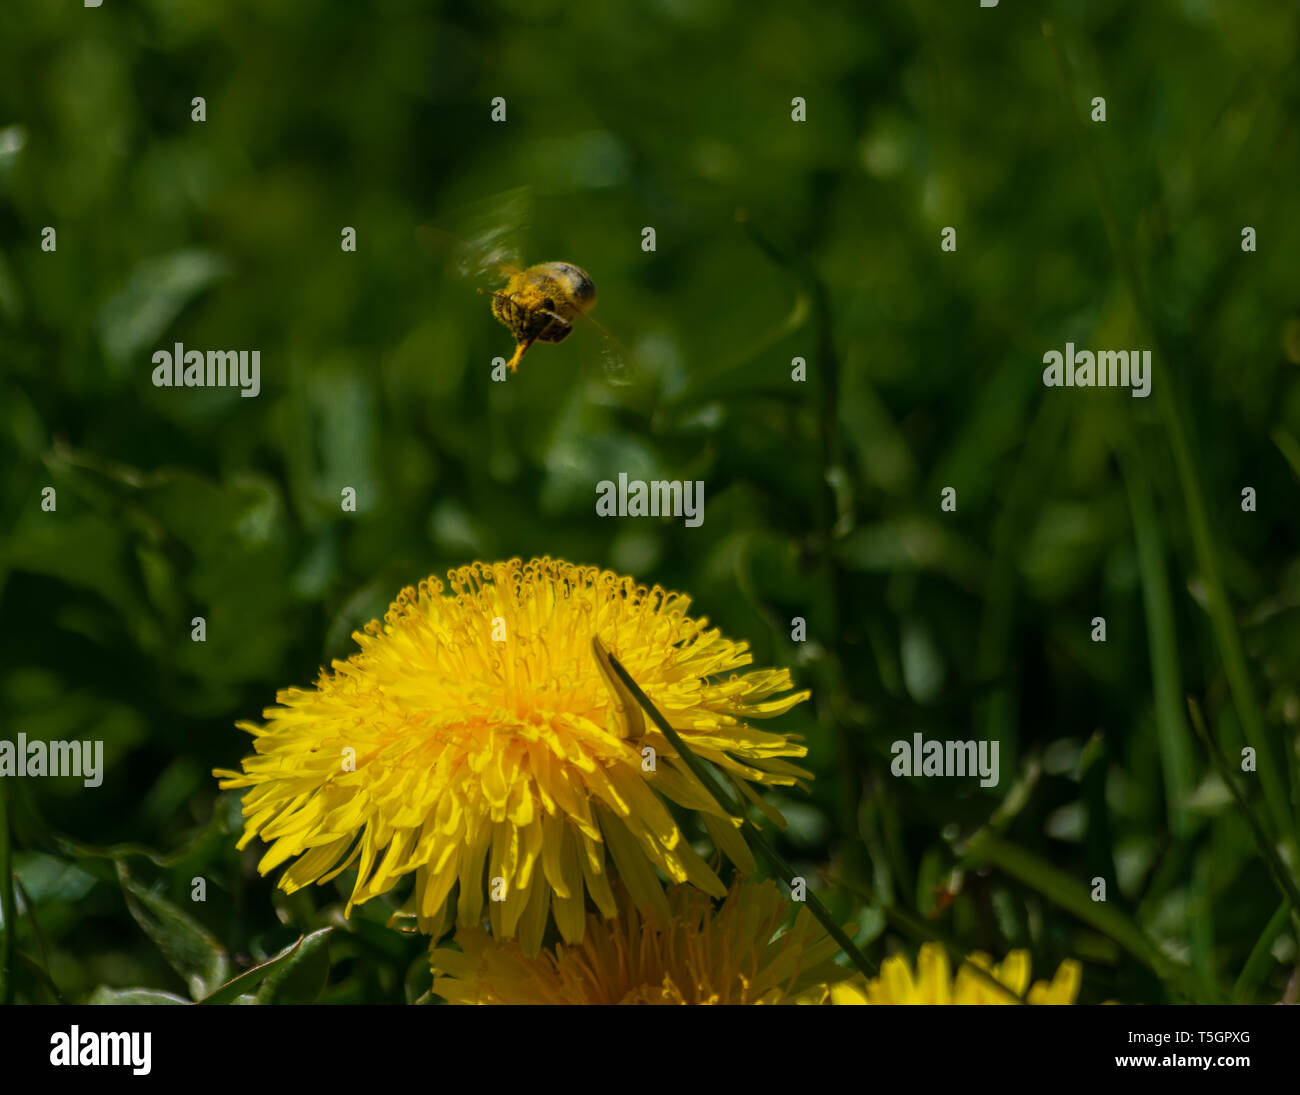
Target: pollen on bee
539	303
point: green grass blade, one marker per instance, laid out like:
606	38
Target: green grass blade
30	906
1221	616
922	930
1261	957
7	903
1175	741
1288	447
1281	876
1069	894
40	974
751	831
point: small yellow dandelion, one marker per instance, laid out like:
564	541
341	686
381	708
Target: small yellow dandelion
735	953
932	983
476	741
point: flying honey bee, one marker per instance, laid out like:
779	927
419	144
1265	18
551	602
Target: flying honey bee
539	303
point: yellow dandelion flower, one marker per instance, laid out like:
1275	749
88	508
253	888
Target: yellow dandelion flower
734	953
476	741
932	983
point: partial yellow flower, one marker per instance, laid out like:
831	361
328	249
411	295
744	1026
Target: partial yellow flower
932	983
734	953
475	741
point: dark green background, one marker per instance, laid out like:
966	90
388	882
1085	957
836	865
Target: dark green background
822	498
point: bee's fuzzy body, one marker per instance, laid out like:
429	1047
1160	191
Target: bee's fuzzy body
538	304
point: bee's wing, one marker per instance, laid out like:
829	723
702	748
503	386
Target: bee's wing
620	366
483	239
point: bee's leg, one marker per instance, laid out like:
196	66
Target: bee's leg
557	328
521	348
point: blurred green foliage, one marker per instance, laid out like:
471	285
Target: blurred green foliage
822	498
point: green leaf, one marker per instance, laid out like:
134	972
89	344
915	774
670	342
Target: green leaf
913	543
106	995
48	878
300	978
13	139
136	316
251	979
188	947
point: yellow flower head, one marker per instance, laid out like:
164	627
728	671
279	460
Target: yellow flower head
476	729
698	954
933	982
